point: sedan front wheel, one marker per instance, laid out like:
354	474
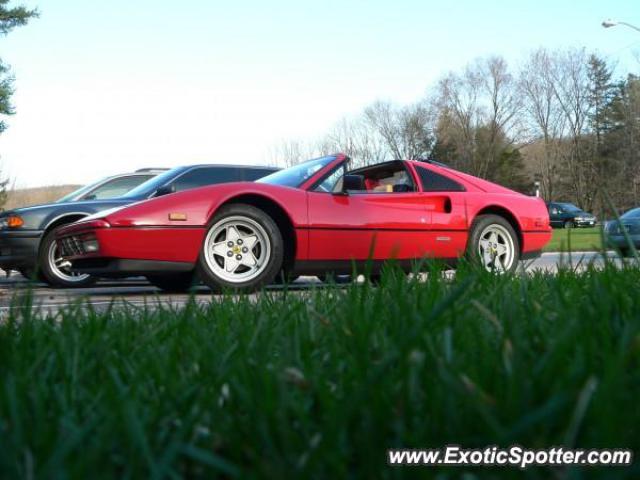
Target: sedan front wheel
55	270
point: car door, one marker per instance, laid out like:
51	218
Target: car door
359	225
444	200
554	215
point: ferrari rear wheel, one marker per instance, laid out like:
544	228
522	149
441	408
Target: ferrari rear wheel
494	244
243	249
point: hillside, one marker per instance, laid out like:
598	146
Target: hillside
23	197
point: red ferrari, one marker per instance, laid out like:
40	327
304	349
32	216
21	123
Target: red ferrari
314	218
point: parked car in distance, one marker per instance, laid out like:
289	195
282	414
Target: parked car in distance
113	186
567	215
27	235
314	218
615	232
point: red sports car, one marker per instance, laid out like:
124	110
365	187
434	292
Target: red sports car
313	218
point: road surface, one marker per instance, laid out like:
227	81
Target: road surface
137	292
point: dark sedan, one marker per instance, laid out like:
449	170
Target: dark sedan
27	235
567	215
615	232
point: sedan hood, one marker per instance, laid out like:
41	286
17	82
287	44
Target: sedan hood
38	217
98	204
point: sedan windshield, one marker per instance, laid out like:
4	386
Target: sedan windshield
570	207
297	175
81	191
150	186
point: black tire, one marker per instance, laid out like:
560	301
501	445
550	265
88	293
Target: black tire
174	283
480	224
269	266
51	274
626	252
569	224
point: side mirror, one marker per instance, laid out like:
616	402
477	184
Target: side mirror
353	182
165	190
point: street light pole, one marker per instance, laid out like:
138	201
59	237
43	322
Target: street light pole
611	23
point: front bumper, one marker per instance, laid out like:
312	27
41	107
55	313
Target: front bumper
124	267
585	223
19	248
129	251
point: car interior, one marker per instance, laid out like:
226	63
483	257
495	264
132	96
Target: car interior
390	177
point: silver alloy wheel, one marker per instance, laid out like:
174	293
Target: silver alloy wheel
61	268
496	248
237	249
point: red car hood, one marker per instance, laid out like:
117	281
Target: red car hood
195	207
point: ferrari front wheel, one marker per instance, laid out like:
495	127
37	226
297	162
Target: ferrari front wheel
494	244
243	249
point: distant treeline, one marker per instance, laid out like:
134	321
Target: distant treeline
560	118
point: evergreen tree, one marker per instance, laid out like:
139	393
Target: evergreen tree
601	93
10	18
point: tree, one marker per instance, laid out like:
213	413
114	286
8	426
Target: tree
10	18
356	138
291	152
621	143
543	118
601	93
478	125
570	81
6	90
406	131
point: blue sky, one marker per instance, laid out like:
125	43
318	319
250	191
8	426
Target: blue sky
104	87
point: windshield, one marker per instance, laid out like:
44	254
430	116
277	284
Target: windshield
570	207
298	174
81	191
147	188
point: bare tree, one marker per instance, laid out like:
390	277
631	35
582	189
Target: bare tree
571	88
503	105
354	138
408	131
479	123
291	152
544	117
459	116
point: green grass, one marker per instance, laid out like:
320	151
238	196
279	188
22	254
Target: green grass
320	384
580	240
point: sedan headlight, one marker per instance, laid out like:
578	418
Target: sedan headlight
11	221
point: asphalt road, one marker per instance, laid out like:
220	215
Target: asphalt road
138	293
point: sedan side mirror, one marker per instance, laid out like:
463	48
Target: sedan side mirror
165	190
